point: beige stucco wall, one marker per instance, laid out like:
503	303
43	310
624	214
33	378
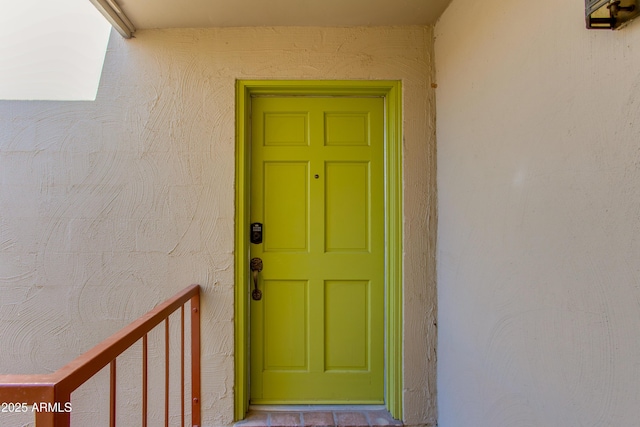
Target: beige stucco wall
539	217
109	207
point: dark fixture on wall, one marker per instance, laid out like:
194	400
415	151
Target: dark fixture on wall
610	14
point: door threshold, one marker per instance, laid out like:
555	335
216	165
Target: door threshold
315	408
318	416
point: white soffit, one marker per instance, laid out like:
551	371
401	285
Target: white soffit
147	14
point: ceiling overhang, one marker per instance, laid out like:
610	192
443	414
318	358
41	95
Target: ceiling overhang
111	10
128	15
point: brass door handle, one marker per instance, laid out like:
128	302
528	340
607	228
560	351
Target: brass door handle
256	267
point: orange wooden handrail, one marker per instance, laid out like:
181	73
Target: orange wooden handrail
56	388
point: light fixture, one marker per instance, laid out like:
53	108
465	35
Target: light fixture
111	10
610	14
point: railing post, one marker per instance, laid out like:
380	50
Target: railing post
195	361
52	410
112	392
63	418
62	414
45	419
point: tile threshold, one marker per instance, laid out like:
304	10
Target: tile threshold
318	416
314	408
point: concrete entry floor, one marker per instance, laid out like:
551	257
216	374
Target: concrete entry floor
318	416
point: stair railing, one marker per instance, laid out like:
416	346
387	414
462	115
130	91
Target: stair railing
52	392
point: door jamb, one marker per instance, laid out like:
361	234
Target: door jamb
391	91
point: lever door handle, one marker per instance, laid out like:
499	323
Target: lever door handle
256	267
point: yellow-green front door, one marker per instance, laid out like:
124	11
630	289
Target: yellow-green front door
317	333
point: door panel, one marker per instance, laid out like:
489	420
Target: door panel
285	317
317	186
285	205
347	206
348	326
347	129
285	129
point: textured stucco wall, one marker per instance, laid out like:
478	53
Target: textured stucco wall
109	207
539	217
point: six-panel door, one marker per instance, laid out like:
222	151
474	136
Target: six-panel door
317	334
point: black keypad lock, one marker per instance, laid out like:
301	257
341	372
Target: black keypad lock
256	233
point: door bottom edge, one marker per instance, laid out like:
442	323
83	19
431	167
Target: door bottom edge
322	407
